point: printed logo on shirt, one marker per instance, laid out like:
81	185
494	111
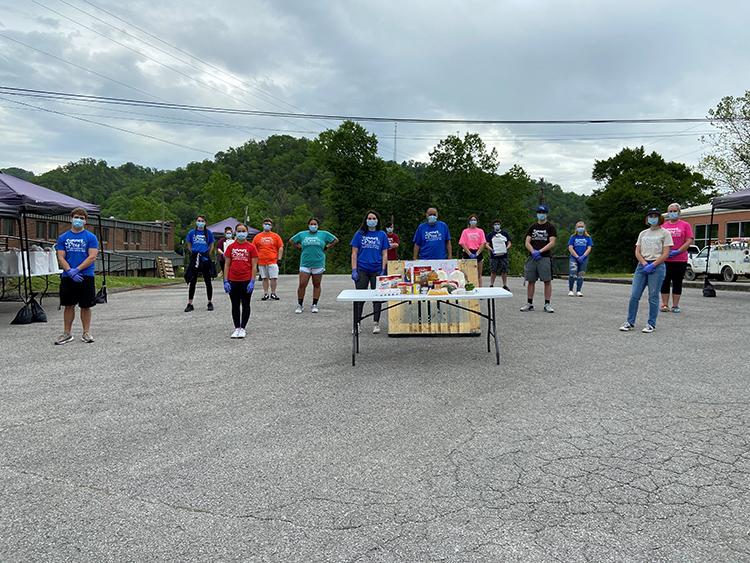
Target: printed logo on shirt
311	241
539	234
431	236
267	241
200	239
370	242
240	254
582	241
75	245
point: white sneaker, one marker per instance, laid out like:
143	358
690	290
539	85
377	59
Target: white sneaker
648	329
376	328
626	327
242	333
298	310
236	333
579	294
570	293
548	308
314	309
526	308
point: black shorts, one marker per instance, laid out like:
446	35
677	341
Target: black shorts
82	293
499	264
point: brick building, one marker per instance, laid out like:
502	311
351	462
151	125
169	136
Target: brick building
727	225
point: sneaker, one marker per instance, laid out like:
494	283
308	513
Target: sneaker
571	294
676	309
189	308
506	288
242	333
210	306
664	308
314	309
274	297
626	327
579	294
87	338
265	297
298	309
236	333
548	308
648	329
527	307
64	338
376	328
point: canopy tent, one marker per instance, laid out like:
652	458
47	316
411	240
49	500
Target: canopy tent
231	222
18	198
736	200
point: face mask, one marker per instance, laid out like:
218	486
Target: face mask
389	229
496	226
541	216
432	219
228	235
473	223
313	228
653	220
580	230
241	235
78	223
200	224
267	226
674	214
372	223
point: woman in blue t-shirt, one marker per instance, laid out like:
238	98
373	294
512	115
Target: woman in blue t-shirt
579	246
369	260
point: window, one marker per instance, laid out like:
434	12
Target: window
126	236
733	230
105	236
41	230
745	229
700	234
9	227
53	230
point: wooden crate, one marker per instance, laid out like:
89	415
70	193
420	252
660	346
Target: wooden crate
430	318
164	267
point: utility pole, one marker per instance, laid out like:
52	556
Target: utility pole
163	218
395	139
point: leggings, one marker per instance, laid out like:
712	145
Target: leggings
206	278
368	279
240	299
675	273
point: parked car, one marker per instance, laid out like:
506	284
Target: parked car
727	261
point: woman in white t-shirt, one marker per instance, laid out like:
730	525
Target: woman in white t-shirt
651	250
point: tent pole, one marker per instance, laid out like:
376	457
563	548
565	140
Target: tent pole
25	257
102	249
708	255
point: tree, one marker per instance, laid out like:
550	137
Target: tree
633	182
222	198
19	173
729	164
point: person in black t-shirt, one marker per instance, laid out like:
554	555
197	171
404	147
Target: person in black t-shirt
540	240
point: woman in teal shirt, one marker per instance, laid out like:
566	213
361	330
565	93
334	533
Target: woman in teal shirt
312	263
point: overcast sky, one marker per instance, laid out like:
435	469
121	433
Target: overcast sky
497	59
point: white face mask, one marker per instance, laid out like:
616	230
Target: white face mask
228	235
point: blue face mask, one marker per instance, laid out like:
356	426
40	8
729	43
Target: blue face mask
432	219
200	224
389	229
313	228
78	223
372	223
267	226
241	235
653	220
541	216
580	230
674	214
228	235
473	223
496	227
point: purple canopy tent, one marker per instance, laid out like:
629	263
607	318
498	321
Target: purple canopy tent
231	222
18	198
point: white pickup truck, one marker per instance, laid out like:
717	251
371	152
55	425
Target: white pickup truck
727	261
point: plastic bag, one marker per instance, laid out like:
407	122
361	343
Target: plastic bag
101	295
37	313
24	316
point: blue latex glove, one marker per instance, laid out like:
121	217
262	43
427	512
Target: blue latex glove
472	255
673	253
384	272
250	286
536	255
71	273
227	287
355	275
648	268
580	259
78	278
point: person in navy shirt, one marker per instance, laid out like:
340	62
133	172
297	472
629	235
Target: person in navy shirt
200	243
432	241
579	246
77	250
369	260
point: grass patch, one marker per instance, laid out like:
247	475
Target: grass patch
38	283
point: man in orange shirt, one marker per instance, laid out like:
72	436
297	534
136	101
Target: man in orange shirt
270	250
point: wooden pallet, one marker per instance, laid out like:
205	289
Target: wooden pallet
164	268
425	319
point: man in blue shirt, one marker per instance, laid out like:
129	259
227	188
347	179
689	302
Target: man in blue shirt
432	241
77	250
200	243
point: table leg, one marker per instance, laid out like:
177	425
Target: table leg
494	332
489	325
355	345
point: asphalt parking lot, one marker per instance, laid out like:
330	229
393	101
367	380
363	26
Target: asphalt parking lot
167	440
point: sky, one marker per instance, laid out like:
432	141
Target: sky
500	59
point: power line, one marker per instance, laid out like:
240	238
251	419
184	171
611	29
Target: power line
342	117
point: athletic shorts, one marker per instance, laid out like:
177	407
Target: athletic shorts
499	264
269	271
82	293
538	269
313	271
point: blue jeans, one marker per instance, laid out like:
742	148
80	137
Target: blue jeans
640	281
575	272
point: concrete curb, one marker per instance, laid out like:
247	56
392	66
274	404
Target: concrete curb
720	286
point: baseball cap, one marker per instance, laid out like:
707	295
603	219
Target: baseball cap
542	208
653	211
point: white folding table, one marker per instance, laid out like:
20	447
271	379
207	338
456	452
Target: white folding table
488	294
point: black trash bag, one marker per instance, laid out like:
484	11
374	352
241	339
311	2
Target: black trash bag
708	289
101	295
37	313
24	316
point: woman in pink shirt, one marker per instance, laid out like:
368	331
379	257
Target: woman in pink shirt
473	242
682	235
